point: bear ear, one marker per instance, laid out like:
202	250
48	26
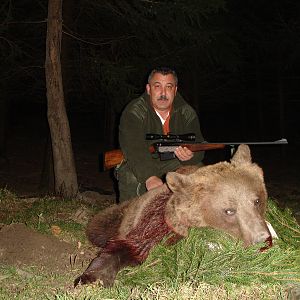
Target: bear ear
176	181
242	155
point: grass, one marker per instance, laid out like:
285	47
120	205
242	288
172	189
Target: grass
207	265
41	214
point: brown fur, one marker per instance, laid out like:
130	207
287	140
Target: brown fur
227	196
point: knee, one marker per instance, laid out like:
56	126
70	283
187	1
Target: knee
128	185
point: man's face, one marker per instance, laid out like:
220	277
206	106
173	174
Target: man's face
162	90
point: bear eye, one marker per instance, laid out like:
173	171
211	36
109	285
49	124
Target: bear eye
230	211
256	202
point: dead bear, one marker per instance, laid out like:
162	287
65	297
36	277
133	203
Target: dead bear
227	196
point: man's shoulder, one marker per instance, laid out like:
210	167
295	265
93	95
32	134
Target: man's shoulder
183	107
137	106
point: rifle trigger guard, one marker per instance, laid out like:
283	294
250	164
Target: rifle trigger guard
166	155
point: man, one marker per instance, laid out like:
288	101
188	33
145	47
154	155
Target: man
160	110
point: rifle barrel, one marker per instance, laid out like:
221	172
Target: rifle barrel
171	147
278	142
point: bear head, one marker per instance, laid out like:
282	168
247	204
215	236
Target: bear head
227	196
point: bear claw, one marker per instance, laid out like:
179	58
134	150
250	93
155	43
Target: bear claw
84	279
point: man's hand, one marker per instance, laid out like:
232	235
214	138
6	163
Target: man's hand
183	153
153	182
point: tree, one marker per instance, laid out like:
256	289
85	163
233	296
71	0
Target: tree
145	34
63	159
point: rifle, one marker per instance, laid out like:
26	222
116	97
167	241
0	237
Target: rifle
167	144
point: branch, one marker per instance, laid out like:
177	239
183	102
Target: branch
109	41
24	22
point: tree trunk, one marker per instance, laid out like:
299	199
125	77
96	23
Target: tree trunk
3	125
63	159
259	97
47	174
68	48
109	125
281	99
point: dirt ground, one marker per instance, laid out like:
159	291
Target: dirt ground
21	246
20	172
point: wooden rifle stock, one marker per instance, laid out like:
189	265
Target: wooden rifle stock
113	158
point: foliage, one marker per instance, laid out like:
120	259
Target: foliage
42	214
206	265
213	257
175	33
22	38
115	44
214	46
284	223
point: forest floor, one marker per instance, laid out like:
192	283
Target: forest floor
20	173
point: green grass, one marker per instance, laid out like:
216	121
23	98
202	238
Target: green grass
207	265
41	214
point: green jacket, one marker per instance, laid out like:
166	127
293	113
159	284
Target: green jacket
140	118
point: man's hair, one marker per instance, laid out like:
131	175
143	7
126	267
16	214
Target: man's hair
163	71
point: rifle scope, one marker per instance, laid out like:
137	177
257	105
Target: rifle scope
172	137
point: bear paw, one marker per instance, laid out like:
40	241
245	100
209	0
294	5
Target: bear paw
84	279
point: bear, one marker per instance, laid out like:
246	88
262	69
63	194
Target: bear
230	196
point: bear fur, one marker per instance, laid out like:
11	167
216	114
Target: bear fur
227	196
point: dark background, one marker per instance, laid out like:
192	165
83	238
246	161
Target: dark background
237	62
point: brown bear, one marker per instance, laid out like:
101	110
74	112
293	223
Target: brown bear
227	196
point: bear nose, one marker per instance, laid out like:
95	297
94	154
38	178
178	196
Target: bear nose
262	237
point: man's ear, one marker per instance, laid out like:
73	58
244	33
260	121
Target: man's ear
242	155
148	88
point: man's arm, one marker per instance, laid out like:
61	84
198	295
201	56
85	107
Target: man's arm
134	146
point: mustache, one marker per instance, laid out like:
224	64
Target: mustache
162	97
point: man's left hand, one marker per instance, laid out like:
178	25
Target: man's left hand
183	153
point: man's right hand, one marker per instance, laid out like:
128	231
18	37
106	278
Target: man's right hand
183	153
153	182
